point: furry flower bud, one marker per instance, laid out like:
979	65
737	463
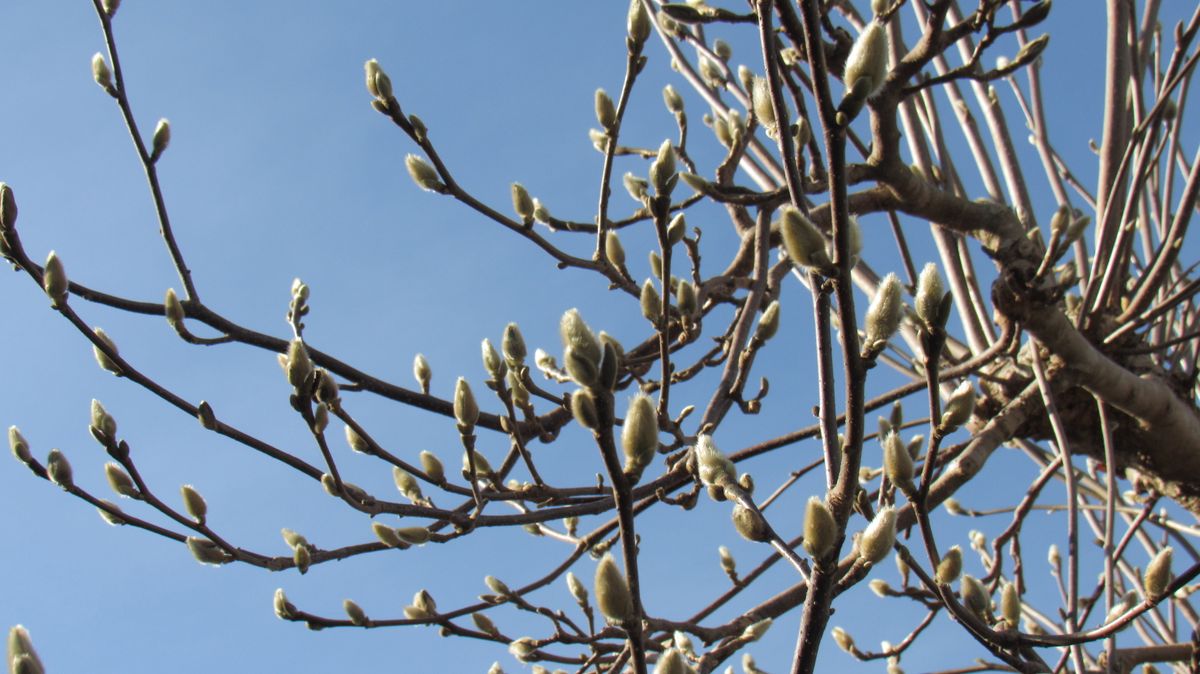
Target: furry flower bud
512	345
59	469
422	372
672	99
672	661
8	208
102	358
161	139
614	252
101	73
879	536
803	241
522	202
959	407
974	595
583	407
466	411
1158	574
638	23
898	463
432	466
492	363
119	481
929	296
885	312
606	112
193	503
173	309
207	552
103	422
284	609
54	281
612	593
18	445
355	613
868	61
22	658
298	365
422	173
768	323
639	435
820	529
949	569
714	468
1010	604
651	302
750	524
662	171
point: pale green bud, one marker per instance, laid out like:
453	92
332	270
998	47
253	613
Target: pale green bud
1053	557
406	483
422	372
949	569
22	657
662	171
885	312
422	173
101	73
880	587
868	60
482	467
102	358
714	468
432	466
583	407
637	187
613	250
655	265
372	71
8	208
959	407
612	593
207	552
1158	574
722	50
803	241
119	480
748	523
161	139
639	435
929	295
111	518
173	309
492	363
522	202
466	411
355	613
513	345
768	323
651	302
685	298
820	529
387	535
672	661
193	503
18	445
898	463
485	624
357	442
672	99
1010	604
522	648
1060	220
577	589
205	415
284	609
541	213
575	333
638	23
974	595
755	631
495	669
676	229
424	602
54	281
59	469
110	7
102	421
413	535
711	72
764	109
606	112
843	639
293	539
520	394
299	366
879	536
302	558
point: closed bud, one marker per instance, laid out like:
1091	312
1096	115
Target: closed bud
655	265
522	202
18	445
676	229
1010	604
672	661
8	208
413	535
1053	557
406	483
868	60
638	188
485	624
929	296
612	593
662	171
372	71
422	173
299	366
713	467
1060	221
102	421
541	213
672	99
711	72
54	281
685	298
576	334
302	558
768	323
803	241
492	363
651	302
102	358
728	563
1158	574
880	587
885	312
898	463
111	515
764	109
173	309
424	602
482	467
22	658
119	481
513	345
949	569
466	411
387	535
639	435
750	524
583	407
193	503
207	552
422	372
161	139
206	417
722	50
355	613
432	466
577	589
820	529
606	113
974	596
284	609
59	469
755	631
959	407
101	73
638	23
357	442
522	648
613	250
293	539
843	639
520	394
879	536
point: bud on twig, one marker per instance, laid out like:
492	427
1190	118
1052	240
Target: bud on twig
522	202
662	171
102	358
8	209
102	74
298	365
207	552
606	113
672	99
672	661
492	363
885	312
466	411
879	536
119	481
18	445
959	408
868	61
714	468
768	323
750	524
54	281
803	241
974	596
1010	605
929	296
820	529
284	609
612	593
638	24
194	503
422	373
59	469
651	302
22	658
639	435
950	567
1158	574
898	463
423	174
160	140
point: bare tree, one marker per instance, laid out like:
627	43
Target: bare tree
1065	329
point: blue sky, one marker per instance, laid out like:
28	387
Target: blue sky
278	168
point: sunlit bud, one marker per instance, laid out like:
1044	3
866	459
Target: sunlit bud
283	608
466	411
413	535
22	658
755	631
1060	220
8	208
357	442
575	333
432	466
638	23
750	524
868	60
1010	604
612	594
326	390
897	463
672	99
492	362
662	171
722	50
746	482
685	298
355	613
764	109
802	132
422	173
293	539
879	536
1158	574
714	468
914	445
952	506
880	587
522	648
299	365
655	265
205	415
950	567
541	213
372	70
820	530
522	202
637	187
843	639
768	323
102	358
974	595
102	421
672	661
302	558
101	73
651	302
109	517
885	312
193	502
878	6
676	229
161	139
577	589
1149	668
721	130
959	407
485	624
406	483
119	480
387	535
423	601
110	7
929	295
606	113
482	467
422	372
54	281
173	309
683	642
639	435
854	238
59	469
583	406
520	394
803	241
728	563
207	552
1053	556
711	72
18	445
512	345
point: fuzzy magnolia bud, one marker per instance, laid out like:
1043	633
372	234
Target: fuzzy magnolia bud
485	624
577	589
22	658
207	552
59	469
662	171
355	613
406	483
422	173
161	139
959	407
302	558
432	466
950	567
103	422
482	467
672	99
768	323
1158	574
637	187
387	535
492	363
422	372
581	349
8	208
639	435
803	241
885	312
638	23
522	202
728	563
843	639
512	345
298	365
974	595
868	61
614	252
749	523
651	302
583	407
466	411
54	281
379	84
714	468
284	609
18	445
879	536
929	296
612	593
898	463
101	73
764	109
685	298
606	113
194	503
102	358
119	481
820	529
672	660
173	309
1010	604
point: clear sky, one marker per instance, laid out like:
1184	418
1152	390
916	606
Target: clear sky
279	168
